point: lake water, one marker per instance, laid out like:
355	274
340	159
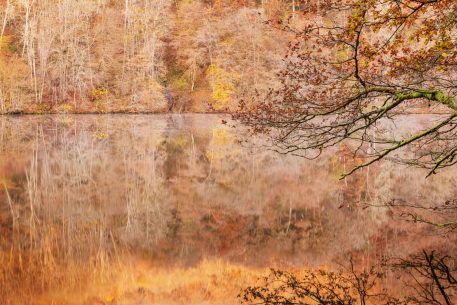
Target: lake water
179	190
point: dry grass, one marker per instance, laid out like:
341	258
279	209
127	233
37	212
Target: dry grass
132	281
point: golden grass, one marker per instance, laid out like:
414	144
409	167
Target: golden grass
135	281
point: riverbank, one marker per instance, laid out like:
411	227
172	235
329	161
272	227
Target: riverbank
60	111
87	108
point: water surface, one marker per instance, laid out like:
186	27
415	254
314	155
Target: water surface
182	189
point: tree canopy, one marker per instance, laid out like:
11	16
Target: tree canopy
355	71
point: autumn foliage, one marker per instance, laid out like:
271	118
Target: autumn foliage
355	69
135	56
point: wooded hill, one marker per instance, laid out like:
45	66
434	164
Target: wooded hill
137	55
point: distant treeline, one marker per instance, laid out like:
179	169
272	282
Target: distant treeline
137	55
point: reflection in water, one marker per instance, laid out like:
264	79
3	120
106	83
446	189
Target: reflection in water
82	197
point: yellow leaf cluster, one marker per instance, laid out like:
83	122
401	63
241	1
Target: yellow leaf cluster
99	93
223	85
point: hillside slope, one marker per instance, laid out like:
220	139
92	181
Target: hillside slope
136	56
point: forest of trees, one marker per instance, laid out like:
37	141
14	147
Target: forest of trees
341	79
136	55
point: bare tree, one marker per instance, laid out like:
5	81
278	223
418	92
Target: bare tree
432	277
320	287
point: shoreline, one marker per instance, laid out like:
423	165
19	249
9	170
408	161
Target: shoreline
162	113
110	113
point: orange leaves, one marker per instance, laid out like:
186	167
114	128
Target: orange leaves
346	51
